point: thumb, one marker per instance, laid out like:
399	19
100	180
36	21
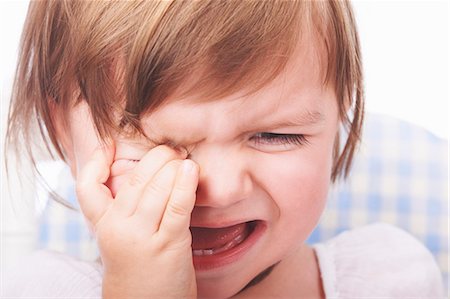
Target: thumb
93	195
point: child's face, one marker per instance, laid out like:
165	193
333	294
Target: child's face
277	182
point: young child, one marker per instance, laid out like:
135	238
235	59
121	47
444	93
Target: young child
203	136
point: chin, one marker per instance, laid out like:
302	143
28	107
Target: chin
217	289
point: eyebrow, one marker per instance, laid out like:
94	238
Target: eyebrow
162	140
301	119
157	140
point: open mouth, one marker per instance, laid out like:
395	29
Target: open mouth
215	247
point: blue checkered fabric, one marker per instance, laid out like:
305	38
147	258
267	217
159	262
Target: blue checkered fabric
60	228
399	176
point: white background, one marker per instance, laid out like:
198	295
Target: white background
405	46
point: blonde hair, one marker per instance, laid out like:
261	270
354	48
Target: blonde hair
134	54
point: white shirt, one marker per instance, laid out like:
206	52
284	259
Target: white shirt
376	261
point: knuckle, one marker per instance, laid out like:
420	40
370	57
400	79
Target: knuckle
158	187
161	184
177	209
183	189
136	179
169	170
174	165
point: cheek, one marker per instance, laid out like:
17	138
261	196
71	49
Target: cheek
298	184
302	185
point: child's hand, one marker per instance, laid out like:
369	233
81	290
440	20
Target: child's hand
143	233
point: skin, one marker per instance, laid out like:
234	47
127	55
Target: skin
141	210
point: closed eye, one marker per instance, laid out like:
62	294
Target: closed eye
279	139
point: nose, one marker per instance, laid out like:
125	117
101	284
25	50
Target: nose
224	179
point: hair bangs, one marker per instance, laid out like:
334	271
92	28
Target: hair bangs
212	50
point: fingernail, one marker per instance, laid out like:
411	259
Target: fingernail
188	165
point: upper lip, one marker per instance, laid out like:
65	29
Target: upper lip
220	224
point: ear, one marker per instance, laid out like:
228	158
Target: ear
63	135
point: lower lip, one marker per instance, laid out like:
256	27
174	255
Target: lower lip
209	262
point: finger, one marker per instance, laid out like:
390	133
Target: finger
130	191
155	196
177	216
93	195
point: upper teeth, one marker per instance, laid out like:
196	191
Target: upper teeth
210	251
